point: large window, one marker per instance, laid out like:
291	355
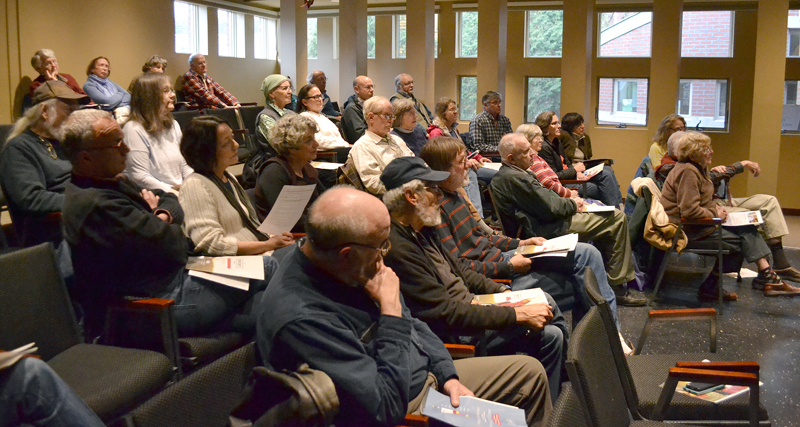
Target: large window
191	28
793	37
703	103
265	38
467	33
467	97
625	33
398	36
707	34
335	37
436	35
791	108
543	94
622	101
311	37
543	33
231	33
371	37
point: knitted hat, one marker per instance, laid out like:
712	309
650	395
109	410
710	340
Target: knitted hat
271	82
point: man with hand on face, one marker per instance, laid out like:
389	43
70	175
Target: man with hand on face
439	291
33	168
201	91
334	305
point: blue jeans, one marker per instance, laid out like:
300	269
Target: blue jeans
201	305
31	393
603	187
573	265
473	189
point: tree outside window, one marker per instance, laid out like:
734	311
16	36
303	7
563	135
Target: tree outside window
467	97
467	34
311	34
544	33
544	94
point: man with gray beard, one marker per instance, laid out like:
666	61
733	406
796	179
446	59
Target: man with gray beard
33	169
439	291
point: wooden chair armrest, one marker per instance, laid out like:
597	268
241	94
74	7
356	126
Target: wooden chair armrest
248	104
702	221
738	366
155	304
682	314
571	181
460	351
412	420
503	281
329	155
296	236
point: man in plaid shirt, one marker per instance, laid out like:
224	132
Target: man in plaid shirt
201	91
489	126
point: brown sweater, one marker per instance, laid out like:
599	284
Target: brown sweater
688	193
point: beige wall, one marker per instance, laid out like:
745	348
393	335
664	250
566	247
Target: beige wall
127	32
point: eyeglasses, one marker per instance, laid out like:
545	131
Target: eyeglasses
105	147
383	248
387	117
170	90
435	189
315	97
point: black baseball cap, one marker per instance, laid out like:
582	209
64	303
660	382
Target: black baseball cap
406	169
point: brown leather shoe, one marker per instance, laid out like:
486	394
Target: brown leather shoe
790	273
780	289
711	295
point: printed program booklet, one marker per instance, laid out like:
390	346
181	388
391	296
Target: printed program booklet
9	358
558	246
233	271
512	299
471	411
594	170
743	218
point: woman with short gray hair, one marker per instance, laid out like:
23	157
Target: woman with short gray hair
293	139
405	125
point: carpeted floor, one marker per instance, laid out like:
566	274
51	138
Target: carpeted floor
757	328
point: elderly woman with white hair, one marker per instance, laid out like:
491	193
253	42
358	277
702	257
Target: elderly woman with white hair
689	193
45	63
546	176
293	138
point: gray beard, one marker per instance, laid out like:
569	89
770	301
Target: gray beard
430	216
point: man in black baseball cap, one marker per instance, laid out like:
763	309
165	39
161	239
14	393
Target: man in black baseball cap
439	291
33	169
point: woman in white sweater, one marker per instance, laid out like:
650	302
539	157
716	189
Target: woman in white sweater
310	104
218	215
153	136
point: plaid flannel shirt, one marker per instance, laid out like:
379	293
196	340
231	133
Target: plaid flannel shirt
198	96
486	131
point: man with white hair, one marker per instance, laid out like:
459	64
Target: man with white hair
319	78
353	122
45	63
377	147
33	168
200	90
404	84
334	305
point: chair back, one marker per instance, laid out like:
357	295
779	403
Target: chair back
594	374
567	412
249	117
184	117
205	397
36	306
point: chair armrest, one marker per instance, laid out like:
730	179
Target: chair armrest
503	281
328	155
154	304
701	221
412	420
296	236
747	379
740	366
248	104
460	351
709	314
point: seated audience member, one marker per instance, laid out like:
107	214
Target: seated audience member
774	227
200	90
154	137
575	142
319	79
155	64
489	125
310	105
127	241
103	91
334	305
405	125
277	90
689	193
540	168
516	191
404	84
353	122
32	394
220	220
439	291
602	186
446	124
45	63
33	168
377	148
291	106
293	137
671	124
493	254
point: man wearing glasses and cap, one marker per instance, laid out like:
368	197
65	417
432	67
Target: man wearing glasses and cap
33	168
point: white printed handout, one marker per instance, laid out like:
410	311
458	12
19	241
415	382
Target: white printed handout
287	210
557	245
8	358
328	166
743	218
594	171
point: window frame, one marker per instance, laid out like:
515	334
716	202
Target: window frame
693	113
399	52
598	54
526	46
374	47
198	34
731	39
528	79
236	33
459	33
268	54
461	109
308	39
622	114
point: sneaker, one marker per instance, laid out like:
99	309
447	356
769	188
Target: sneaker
790	273
711	295
626	298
